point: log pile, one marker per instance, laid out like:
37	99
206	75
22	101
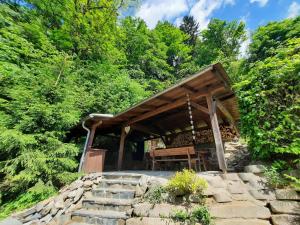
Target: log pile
202	136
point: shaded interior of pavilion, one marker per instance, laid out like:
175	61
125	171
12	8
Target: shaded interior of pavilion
200	111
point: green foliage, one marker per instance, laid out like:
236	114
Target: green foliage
294	181
221	41
155	195
186	183
202	215
268	93
44	94
199	214
274	177
37	193
181	216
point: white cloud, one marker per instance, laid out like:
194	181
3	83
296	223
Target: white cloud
245	45
294	10
154	10
178	21
203	10
261	3
173	10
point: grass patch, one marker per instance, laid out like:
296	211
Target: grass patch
34	195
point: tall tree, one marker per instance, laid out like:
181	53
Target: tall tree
221	40
190	27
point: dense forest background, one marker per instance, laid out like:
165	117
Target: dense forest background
63	59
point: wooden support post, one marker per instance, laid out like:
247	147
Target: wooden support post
92	134
124	132
211	103
91	137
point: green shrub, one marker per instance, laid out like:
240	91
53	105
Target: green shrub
294	181
155	194
201	215
185	183
274	177
181	216
34	195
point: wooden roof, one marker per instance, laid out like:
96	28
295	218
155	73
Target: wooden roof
167	110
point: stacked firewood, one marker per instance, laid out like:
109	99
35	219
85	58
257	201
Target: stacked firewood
202	136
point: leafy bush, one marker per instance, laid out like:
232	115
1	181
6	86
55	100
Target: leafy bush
268	91
294	181
155	194
35	194
180	216
274	177
200	214
185	183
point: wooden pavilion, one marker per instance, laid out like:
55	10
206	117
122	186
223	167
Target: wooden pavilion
203	100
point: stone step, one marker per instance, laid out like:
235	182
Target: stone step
241	222
113	193
240	210
118	175
107	204
104	217
77	223
118	183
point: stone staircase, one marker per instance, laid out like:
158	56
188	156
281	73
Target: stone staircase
110	203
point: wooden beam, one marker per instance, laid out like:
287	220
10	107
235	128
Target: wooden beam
211	103
200	107
217	73
146	107
175	104
228	115
145	129
121	148
92	134
189	89
165	99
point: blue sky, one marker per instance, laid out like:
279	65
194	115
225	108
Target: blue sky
253	12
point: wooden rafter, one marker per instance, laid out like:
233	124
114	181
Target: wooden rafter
227	114
200	107
179	102
165	99
146	129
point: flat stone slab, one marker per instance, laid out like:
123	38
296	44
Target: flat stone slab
10	221
157	210
150	221
255	169
287	194
240	210
263	195
231	176
222	197
241	222
285	219
257	183
246	176
216	181
236	187
285	207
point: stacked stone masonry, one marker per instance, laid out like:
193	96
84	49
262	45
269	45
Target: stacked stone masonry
116	199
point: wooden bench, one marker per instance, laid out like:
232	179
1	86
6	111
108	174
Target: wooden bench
168	155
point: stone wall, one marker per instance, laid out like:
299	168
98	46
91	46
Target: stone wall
54	209
233	199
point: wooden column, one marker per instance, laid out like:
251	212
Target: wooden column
211	103
91	137
124	132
